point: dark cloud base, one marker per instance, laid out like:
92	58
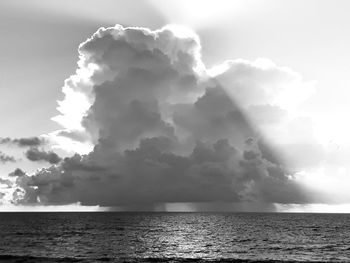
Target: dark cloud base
151	174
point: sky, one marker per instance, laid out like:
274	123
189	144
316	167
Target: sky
175	105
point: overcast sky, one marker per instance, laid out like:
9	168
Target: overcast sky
281	79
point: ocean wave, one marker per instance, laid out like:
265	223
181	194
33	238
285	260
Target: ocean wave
32	259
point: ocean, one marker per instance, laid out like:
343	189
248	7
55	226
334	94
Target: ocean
174	237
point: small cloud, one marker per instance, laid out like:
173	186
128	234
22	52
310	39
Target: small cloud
34	154
23	142
4	158
74	135
18	172
7	183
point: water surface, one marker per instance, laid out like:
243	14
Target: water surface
174	237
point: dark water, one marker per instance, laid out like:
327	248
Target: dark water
174	237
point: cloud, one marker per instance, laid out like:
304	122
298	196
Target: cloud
152	174
23	142
18	172
7	183
266	114
34	154
164	128
74	135
4	158
262	82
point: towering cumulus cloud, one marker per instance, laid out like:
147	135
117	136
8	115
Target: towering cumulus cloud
164	128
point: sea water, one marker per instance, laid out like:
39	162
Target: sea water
174	237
